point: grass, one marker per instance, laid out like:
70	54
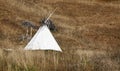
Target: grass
18	60
108	0
87	33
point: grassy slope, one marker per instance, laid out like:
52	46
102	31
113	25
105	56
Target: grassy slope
83	28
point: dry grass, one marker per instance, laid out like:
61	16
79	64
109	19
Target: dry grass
88	33
108	0
82	60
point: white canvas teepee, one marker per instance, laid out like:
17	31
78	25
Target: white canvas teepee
43	40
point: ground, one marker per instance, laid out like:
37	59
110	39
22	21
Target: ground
87	32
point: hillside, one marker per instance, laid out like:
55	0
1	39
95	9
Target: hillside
85	28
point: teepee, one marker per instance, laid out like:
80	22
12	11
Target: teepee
43	40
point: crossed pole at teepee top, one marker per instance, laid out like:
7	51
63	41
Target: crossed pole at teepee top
29	25
50	15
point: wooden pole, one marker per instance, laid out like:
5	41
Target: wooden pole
27	32
31	32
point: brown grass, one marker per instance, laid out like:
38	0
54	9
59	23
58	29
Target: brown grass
108	0
88	33
81	60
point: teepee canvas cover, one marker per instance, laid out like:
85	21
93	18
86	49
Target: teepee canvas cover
43	40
